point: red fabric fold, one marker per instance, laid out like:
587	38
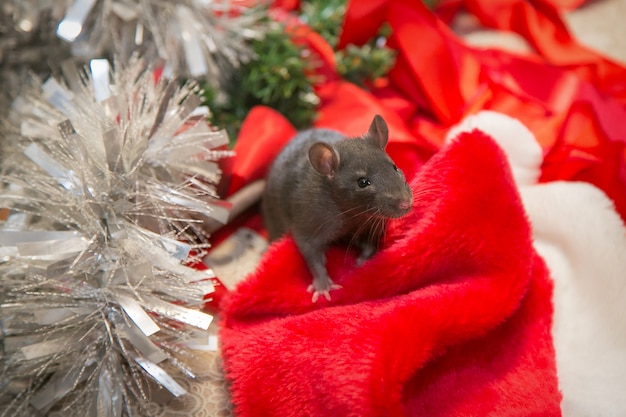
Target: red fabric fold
445	80
262	135
428	62
362	21
540	24
457	275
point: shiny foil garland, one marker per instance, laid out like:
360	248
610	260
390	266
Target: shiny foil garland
200	39
109	176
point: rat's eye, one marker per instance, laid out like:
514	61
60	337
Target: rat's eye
395	167
363	182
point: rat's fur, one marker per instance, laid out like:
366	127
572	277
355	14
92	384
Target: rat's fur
324	187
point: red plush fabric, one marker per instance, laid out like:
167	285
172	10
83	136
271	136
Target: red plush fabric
451	318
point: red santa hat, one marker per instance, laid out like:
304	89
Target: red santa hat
582	239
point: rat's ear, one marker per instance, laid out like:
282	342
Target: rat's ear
378	132
324	158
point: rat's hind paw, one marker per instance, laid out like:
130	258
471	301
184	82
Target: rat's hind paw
325	291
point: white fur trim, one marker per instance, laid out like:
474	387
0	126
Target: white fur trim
517	142
583	241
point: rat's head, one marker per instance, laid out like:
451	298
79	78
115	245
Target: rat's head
363	178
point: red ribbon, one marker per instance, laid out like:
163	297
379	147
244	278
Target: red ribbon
572	98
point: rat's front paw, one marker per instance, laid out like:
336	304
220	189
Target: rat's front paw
322	287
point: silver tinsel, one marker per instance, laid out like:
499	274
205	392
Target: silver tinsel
109	176
194	38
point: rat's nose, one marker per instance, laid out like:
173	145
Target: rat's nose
404	204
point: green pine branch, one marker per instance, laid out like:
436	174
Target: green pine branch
276	78
280	77
358	64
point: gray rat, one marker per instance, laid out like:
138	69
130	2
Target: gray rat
324	187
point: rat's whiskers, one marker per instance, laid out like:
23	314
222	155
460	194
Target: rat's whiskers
370	223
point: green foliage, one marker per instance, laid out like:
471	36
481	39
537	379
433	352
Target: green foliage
325	17
276	78
358	64
280	78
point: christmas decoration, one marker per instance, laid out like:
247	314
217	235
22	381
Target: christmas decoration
101	230
408	343
284	74
109	177
360	64
194	38
279	78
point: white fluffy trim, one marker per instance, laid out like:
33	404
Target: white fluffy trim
583	241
